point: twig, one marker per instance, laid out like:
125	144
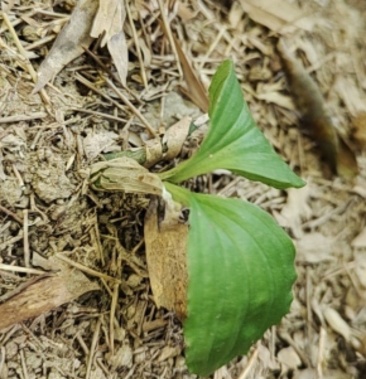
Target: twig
249	365
26	239
11	241
92	348
23	52
320	358
169	34
99	114
24	365
86	269
27	270
2	358
11	214
138	50
113	75
88	84
112	314
132	107
82	343
19	118
19	177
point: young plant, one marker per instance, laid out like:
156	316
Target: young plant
240	263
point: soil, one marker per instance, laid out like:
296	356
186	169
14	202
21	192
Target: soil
51	219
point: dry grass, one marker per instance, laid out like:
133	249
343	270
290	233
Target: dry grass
48	141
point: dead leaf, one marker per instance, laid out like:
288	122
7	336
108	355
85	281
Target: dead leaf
70	43
288	357
7	5
175	137
95	143
296	210
315	117
108	22
123	357
184	12
124	174
154	152
196	91
166	258
169	352
45	294
350	92
276	15
337	323
158	149
276	98
117	47
314	248
236	14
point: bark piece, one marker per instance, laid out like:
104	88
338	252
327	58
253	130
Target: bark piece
166	245
47	293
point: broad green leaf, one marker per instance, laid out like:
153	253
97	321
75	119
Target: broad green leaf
240	276
234	142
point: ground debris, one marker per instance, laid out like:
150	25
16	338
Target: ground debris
47	208
39	296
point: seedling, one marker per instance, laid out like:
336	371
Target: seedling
240	262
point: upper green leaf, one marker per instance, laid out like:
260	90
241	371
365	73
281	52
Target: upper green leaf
233	141
241	271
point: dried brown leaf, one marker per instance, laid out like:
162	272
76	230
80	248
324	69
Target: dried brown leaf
170	146
108	23
49	292
196	91
117	47
315	117
166	244
108	20
175	137
124	174
70	43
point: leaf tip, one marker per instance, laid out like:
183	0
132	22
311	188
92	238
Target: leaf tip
299	182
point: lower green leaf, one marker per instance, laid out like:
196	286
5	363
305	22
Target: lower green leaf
241	272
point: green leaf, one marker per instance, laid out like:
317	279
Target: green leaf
233	141
241	272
